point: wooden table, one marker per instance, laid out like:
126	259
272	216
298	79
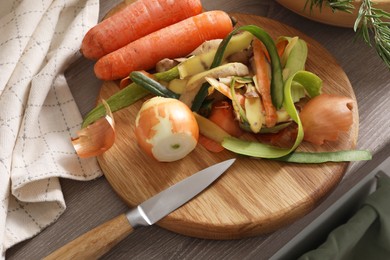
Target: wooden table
91	203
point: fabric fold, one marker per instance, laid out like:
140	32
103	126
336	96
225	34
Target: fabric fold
366	235
38	115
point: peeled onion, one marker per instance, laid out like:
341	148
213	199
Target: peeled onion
166	129
325	116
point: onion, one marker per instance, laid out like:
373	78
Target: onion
325	116
166	129
96	138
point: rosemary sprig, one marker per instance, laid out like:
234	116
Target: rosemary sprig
370	20
335	5
373	19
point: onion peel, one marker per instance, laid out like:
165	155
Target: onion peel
96	138
124	82
325	116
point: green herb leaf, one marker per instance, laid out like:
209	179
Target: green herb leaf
370	20
335	5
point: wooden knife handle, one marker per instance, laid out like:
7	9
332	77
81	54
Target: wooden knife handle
96	242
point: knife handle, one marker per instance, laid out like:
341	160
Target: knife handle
96	242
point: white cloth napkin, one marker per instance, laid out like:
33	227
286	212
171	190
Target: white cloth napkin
38	116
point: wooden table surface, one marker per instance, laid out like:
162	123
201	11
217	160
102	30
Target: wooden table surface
92	203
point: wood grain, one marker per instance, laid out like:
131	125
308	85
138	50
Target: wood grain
255	196
96	242
92	203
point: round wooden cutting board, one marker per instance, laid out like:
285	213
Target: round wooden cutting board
254	196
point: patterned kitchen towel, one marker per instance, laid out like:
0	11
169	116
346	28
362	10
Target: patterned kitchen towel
38	115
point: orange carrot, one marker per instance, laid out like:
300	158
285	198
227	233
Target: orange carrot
281	47
285	138
176	40
135	21
263	85
222	114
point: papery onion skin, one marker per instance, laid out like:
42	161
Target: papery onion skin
167	122
325	116
96	138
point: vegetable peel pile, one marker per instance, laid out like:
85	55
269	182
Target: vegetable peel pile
246	85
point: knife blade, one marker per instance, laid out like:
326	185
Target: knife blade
101	239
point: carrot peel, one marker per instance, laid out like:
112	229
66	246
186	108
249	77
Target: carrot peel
277	78
263	82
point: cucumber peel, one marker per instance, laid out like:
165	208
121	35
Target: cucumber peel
126	97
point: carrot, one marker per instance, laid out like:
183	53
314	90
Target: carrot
176	40
222	114
285	138
281	47
135	21
263	84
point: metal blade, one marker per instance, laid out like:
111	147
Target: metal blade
163	203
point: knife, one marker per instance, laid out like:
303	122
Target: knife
101	239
